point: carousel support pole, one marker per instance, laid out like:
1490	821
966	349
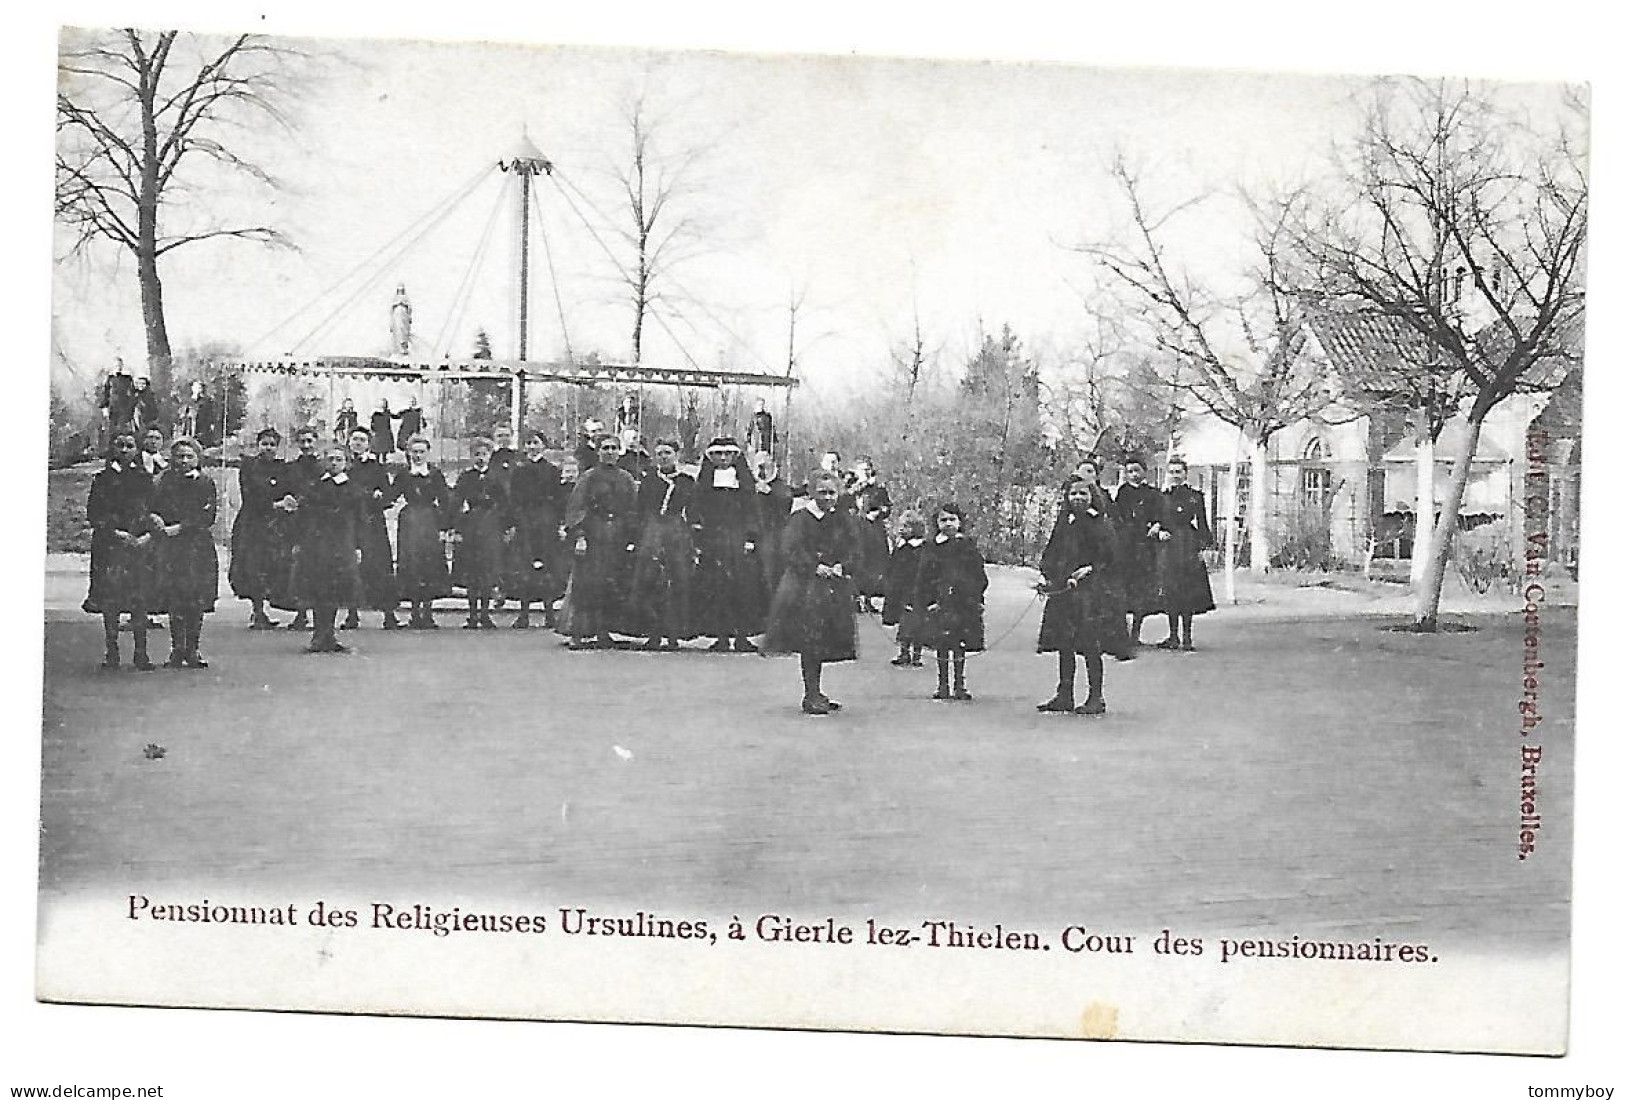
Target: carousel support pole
516	403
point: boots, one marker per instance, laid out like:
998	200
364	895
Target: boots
1063	702
942	691
960	693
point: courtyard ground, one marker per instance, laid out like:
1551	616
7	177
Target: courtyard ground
1306	770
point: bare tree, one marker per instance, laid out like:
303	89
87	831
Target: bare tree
1466	223
655	181
1238	354
143	119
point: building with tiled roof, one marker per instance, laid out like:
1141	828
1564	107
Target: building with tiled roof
1350	475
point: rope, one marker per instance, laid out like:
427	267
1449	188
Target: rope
459	299
456	196
670	278
553	275
996	642
661	321
395	258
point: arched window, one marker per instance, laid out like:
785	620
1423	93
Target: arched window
1314	477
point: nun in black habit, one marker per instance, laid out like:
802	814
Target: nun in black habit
732	589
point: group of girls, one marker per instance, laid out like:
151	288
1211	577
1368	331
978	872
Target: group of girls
633	548
1109	562
152	550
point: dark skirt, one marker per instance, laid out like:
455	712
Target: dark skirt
188	573
732	591
874	552
661	600
949	626
325	574
536	568
121	576
597	587
377	565
259	555
477	563
1186	589
420	572
1140	578
1077	619
813	616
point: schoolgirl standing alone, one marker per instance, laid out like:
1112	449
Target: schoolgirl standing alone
420	534
902	581
187	568
1080	550
536	513
121	578
813	613
952	582
327	569
479	508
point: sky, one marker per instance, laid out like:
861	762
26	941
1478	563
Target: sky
871	188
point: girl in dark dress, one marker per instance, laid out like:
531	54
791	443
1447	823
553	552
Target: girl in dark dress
901	608
420	534
774	502
598	526
327	569
536	513
872	503
813	608
479	512
1186	590
952	582
663	578
187	569
732	590
372	481
259	539
121	549
383	431
1111	584
303	471
1139	528
1080	550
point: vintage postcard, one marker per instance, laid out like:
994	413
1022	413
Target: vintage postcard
812	542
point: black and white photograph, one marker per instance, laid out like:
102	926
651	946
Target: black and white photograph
815	540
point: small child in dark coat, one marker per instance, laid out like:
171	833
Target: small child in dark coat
953	579
902	581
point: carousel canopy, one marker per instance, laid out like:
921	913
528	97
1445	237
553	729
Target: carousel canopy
454	370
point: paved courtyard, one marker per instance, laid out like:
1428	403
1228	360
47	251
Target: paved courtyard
1317	774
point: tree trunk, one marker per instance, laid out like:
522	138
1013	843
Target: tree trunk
159	358
1425	503
1258	509
1232	505
1427	597
146	255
